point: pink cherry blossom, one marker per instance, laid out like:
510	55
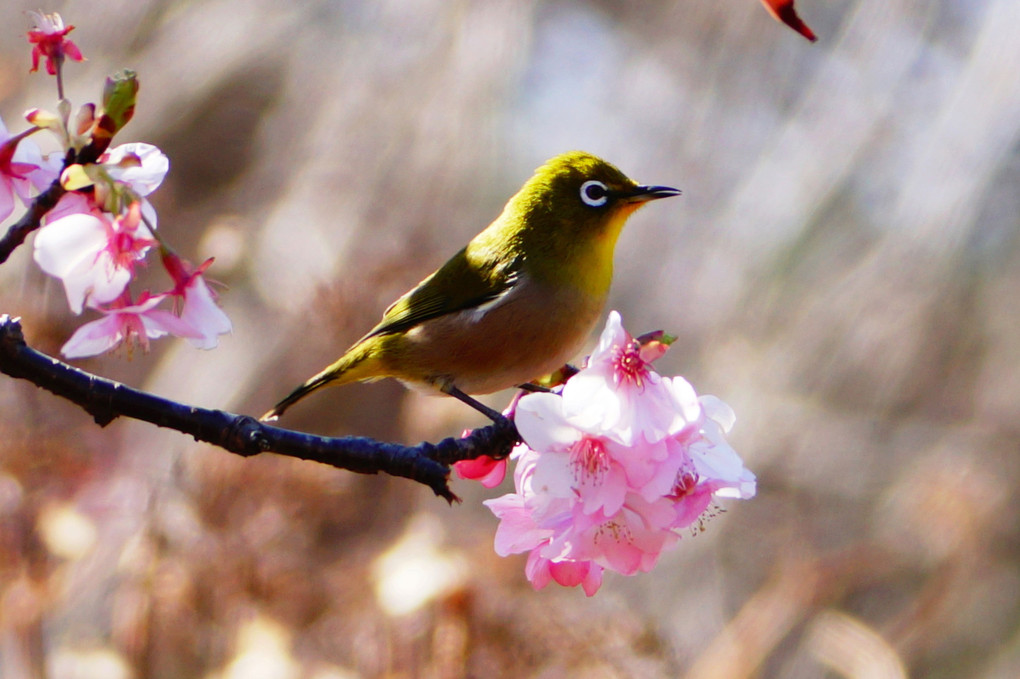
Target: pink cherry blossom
716	462
573	463
517	531
610	473
627	541
541	571
202	314
22	168
588	462
198	308
49	40
488	471
142	167
619	391
125	322
93	255
689	497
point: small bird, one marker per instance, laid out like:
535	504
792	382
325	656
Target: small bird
516	303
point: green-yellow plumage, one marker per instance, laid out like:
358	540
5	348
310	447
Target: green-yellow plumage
517	302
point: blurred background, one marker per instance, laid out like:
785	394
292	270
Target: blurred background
842	269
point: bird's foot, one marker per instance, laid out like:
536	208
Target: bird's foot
490	413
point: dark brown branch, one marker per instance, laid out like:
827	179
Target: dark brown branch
30	221
106	400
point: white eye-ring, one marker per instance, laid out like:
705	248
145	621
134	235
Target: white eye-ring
594	193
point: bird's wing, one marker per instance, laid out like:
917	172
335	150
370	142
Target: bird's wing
459	285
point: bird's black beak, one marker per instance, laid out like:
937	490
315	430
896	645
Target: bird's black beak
642	194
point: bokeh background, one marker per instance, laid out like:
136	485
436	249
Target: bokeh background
842	269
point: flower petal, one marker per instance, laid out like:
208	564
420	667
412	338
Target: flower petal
540	421
94	338
144	178
517	531
204	316
73	250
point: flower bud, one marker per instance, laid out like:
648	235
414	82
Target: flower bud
119	95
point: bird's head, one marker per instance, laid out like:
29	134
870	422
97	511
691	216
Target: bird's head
580	196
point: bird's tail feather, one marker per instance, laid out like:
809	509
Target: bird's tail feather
340	372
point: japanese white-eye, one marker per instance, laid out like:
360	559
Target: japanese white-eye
516	303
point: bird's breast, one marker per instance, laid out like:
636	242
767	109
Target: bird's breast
527	332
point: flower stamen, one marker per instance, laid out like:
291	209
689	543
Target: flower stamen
628	366
590	461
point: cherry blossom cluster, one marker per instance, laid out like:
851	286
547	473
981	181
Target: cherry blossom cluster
103	226
613	468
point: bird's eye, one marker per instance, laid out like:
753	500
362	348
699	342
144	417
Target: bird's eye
594	193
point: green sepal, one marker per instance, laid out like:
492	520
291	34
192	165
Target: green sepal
659	336
119	95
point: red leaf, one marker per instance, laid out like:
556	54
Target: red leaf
783	11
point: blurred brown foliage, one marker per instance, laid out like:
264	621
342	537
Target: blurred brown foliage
842	269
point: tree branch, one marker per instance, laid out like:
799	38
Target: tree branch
30	221
105	400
